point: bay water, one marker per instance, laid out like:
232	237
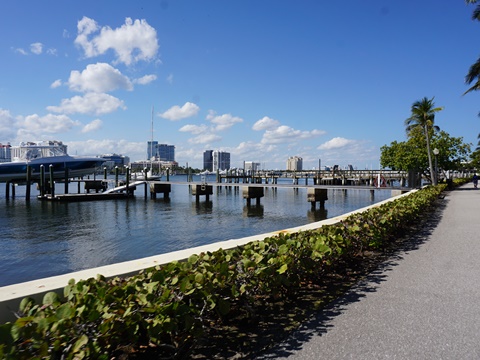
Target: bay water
41	238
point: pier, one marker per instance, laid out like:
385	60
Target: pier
375	178
108	188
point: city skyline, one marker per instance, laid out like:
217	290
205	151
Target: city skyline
263	81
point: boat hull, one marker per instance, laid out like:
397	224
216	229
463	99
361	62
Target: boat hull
77	167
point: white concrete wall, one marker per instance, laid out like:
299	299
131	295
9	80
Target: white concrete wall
12	295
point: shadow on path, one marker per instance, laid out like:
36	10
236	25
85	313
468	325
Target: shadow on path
282	329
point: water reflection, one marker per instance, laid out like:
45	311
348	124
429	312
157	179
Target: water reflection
41	238
317	214
202	207
253	211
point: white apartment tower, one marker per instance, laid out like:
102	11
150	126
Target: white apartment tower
221	160
294	163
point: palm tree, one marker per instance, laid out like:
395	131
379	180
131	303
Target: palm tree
473	76
423	116
474	71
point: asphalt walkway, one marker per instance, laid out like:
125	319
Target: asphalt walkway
424	303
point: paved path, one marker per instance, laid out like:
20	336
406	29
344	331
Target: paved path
424	303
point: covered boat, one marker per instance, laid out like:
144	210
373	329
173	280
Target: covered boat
46	153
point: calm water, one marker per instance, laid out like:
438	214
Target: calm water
40	239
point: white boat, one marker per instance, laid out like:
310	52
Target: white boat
150	176
46	153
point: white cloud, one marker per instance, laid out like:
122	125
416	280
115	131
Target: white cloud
176	112
57	83
8	126
266	123
134	41
223	122
36	48
135	150
285	134
21	51
99	78
92	126
170	78
144	80
335	143
90	103
205	139
194	129
85	27
52	52
35	126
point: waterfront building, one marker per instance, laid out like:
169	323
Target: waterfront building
5	152
221	160
113	160
294	163
208	160
214	160
160	152
251	167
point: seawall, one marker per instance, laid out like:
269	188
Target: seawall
12	295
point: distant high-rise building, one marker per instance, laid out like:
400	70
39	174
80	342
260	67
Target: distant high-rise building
221	160
5	153
251	166
113	160
214	160
295	163
208	160
161	152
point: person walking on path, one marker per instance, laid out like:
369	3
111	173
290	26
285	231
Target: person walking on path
475	180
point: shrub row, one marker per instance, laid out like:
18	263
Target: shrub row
169	306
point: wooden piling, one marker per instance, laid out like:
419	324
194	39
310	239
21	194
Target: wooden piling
42	181
29	180
52	183
202	190
160	188
315	195
253	192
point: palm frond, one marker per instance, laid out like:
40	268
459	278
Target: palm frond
476	13
473	72
475	87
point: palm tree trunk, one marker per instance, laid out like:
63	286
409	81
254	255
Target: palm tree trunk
433	174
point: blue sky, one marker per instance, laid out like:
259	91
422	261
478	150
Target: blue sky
263	80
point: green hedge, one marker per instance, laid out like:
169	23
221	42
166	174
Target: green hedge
169	306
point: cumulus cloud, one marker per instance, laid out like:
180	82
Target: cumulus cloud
194	129
285	134
223	122
205	139
266	123
144	80
92	126
176	112
21	51
57	83
8	126
335	143
134	41
135	150
90	103
36	48
35	126
99	77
